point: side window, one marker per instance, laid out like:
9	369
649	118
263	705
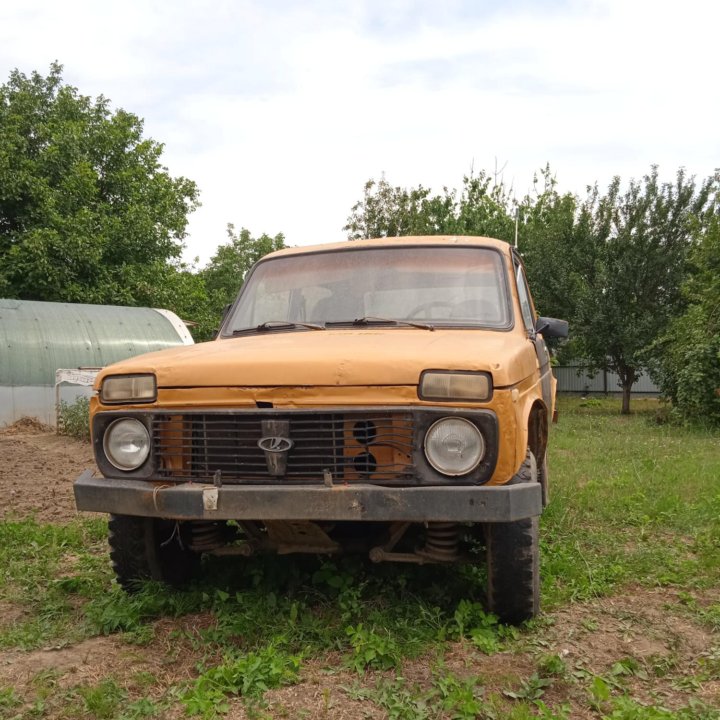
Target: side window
525	301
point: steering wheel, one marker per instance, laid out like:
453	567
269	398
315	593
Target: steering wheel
426	307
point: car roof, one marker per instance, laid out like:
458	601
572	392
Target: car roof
463	240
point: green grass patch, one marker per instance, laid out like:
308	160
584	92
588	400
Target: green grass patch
631	500
42	568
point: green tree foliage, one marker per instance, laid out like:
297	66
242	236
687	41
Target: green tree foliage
553	237
224	274
387	211
181	288
635	265
687	359
87	211
483	208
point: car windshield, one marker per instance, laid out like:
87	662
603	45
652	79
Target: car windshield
439	286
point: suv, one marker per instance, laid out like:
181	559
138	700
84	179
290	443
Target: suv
389	397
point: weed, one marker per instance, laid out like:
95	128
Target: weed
371	649
625	708
561	712
599	693
533	688
462	698
142	708
248	675
709	664
74	418
688	683
628	666
591	402
552	665
8	698
393	696
102	700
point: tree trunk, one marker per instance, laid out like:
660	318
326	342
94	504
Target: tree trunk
628	376
626	388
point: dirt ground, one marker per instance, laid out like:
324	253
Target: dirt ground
650	625
37	470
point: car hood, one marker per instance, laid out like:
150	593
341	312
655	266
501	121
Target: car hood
347	357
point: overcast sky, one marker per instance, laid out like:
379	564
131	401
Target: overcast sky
280	111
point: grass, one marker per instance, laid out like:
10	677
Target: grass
41	568
632	502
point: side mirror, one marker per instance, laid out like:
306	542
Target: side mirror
551	327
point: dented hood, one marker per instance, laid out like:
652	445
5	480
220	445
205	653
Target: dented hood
387	356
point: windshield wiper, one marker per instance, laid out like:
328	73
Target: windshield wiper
278	325
371	320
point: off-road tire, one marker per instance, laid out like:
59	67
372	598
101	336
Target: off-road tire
513	559
139	550
513	570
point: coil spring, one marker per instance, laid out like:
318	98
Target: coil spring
442	541
206	536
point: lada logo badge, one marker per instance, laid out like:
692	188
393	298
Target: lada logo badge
275	444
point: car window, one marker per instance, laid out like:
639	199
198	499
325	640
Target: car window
446	285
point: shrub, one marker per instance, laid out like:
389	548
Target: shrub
74	418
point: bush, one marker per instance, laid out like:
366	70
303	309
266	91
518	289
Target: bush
688	368
74	418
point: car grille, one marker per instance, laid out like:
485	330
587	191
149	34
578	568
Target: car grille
326	447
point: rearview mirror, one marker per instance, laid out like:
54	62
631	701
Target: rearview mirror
551	327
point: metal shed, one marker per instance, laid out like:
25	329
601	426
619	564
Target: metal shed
38	338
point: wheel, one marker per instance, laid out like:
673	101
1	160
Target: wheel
426	307
150	549
513	569
513	560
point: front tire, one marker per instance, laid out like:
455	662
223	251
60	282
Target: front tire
513	557
513	569
150	549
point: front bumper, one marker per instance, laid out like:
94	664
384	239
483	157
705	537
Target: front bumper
196	501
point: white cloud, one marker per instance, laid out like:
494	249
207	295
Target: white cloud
280	111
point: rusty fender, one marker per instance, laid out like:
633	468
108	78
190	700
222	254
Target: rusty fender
195	501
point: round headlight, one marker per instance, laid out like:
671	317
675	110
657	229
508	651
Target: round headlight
126	443
454	446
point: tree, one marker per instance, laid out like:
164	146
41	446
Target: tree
552	239
686	361
181	288
224	274
387	211
632	268
484	208
87	211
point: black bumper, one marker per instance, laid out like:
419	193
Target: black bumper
193	501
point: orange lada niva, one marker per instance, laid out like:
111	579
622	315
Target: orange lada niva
390	397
